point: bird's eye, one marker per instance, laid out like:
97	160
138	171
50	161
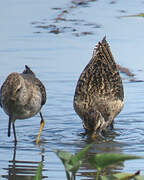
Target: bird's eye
18	90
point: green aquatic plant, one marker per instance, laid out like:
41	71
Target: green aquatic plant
72	162
39	172
121	176
105	159
101	161
124	176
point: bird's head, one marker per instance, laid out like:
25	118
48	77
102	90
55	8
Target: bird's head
13	86
93	120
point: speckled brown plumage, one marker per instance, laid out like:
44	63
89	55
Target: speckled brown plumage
22	96
99	95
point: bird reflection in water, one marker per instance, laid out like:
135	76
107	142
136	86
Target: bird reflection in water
23	170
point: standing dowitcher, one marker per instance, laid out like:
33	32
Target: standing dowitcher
22	96
99	95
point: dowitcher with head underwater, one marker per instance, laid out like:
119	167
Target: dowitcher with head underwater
99	95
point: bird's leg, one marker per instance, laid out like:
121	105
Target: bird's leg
112	125
42	123
9	127
14	131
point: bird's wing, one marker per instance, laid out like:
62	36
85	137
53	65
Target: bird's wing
29	75
42	89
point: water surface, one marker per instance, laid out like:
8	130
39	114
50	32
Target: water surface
58	60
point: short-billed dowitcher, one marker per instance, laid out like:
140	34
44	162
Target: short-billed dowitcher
99	95
22	96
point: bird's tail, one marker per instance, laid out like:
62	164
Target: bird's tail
9	127
28	71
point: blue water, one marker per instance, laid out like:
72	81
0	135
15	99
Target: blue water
58	60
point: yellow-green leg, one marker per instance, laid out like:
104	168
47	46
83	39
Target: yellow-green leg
42	123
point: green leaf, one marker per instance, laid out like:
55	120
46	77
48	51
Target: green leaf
63	155
119	176
79	156
139	177
73	167
66	160
110	177
106	159
39	172
72	162
76	160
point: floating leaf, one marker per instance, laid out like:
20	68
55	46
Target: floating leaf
39	172
100	161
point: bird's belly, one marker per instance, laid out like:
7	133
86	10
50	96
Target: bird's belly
29	110
28	113
19	111
108	109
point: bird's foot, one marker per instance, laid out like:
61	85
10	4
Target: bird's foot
40	131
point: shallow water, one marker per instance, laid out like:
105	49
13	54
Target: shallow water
58	60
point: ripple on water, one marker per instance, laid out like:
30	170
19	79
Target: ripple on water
58	62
